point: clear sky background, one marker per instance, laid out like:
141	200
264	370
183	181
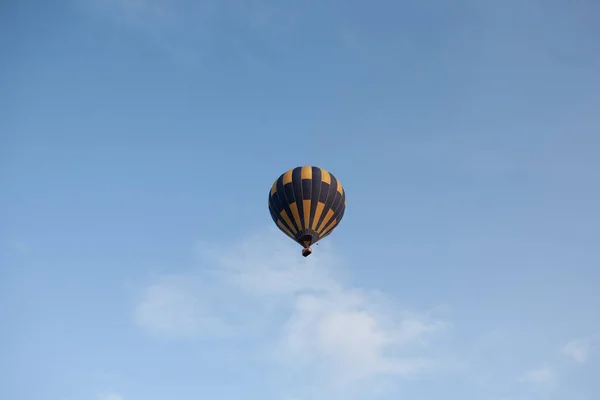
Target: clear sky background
138	143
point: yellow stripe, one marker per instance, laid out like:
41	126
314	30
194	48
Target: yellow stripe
325	177
294	208
288	221
306	173
287	177
286	230
339	187
274	188
318	212
325	221
306	209
329	228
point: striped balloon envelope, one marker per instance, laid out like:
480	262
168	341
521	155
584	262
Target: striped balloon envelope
307	203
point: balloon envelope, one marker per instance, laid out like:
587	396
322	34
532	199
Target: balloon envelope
307	203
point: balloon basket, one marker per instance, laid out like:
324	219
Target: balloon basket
306	252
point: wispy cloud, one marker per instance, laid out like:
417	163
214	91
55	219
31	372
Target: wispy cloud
543	374
172	308
303	317
190	31
345	333
320	324
111	396
177	29
581	348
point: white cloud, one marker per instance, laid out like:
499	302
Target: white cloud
543	374
172	308
346	334
580	349
320	324
112	396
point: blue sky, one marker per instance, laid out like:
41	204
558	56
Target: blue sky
139	140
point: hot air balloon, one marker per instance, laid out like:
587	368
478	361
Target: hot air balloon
307	203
